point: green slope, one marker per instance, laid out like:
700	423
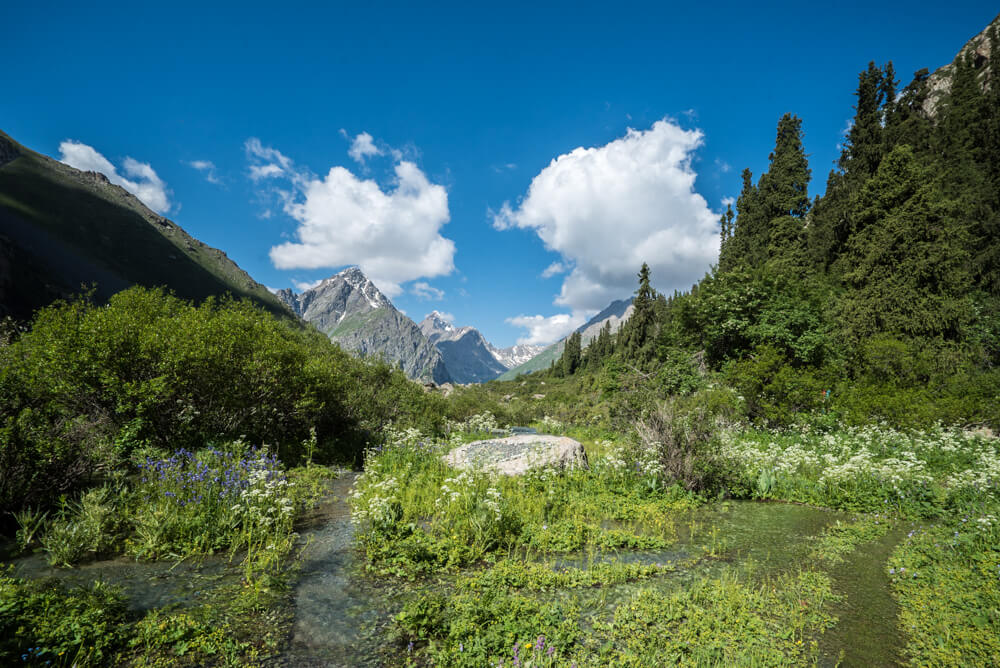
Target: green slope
61	228
540	361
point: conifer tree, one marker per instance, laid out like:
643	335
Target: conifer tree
784	198
906	264
742	242
726	230
639	328
571	354
863	146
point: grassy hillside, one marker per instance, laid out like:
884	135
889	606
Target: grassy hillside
61	228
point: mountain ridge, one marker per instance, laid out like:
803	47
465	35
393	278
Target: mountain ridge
62	228
354	313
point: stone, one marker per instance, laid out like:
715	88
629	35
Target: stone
516	455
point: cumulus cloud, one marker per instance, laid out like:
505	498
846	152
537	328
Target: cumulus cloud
362	147
140	178
423	290
392	234
545	330
608	209
553	269
207	167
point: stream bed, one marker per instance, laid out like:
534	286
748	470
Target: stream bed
343	617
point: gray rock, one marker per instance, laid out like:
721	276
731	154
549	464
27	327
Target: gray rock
516	455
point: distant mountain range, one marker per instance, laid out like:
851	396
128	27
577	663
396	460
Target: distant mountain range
353	312
616	313
61	229
470	358
350	310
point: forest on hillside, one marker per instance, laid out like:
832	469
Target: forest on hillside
879	299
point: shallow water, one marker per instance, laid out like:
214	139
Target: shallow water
344	618
146	585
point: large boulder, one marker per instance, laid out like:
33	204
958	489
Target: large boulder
519	454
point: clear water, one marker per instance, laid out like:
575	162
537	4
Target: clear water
344	618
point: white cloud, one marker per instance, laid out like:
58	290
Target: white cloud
302	286
545	330
723	166
362	147
728	201
608	209
555	268
269	170
207	167
143	181
424	290
269	163
393	235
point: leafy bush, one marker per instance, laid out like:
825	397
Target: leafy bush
681	433
90	527
43	621
89	386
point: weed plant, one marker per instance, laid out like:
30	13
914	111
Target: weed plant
416	516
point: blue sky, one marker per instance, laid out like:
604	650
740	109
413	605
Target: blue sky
455	151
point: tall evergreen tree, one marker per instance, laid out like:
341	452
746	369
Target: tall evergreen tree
784	198
863	146
639	327
744	242
726	230
906	265
571	354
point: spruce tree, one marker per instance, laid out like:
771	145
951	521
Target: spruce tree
639	328
571	354
863	146
906	265
783	197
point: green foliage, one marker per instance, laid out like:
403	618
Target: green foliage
774	389
89	386
88	528
906	260
44	621
946	579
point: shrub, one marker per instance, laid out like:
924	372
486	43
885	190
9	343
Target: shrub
44	621
681	432
88	386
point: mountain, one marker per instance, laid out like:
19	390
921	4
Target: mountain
981	49
61	228
515	355
467	355
350	310
616	313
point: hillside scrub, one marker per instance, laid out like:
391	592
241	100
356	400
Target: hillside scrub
88	390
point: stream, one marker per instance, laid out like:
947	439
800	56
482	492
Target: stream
343	616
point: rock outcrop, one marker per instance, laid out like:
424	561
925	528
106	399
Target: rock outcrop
983	60
516	455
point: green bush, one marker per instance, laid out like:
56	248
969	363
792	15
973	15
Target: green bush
89	386
44	621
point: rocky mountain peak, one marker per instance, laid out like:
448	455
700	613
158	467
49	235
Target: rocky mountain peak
984	59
